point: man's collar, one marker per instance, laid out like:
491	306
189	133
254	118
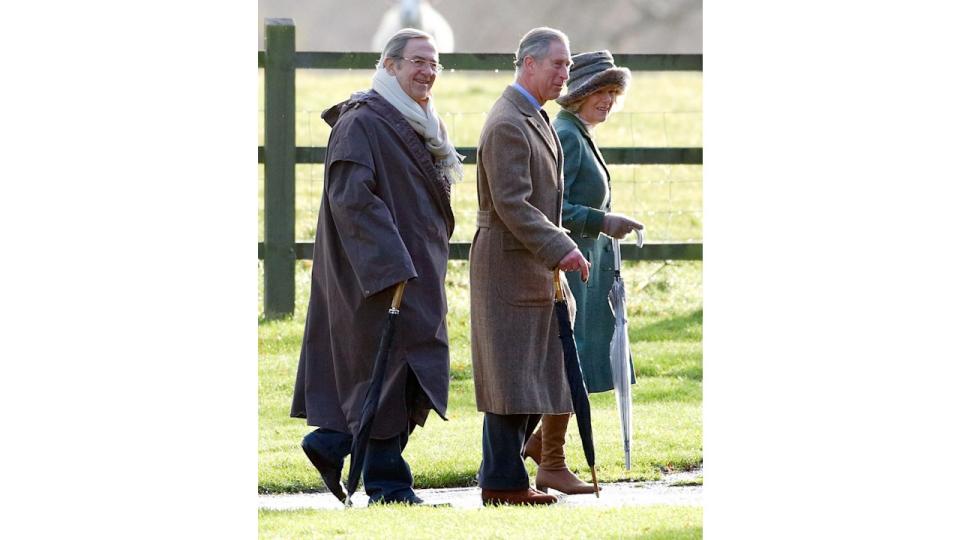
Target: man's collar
526	94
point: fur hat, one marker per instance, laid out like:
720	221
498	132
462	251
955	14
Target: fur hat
592	71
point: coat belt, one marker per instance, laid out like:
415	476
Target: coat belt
487	219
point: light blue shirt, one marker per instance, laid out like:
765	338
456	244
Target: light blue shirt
530	98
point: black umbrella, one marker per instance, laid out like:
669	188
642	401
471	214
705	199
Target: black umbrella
358	451
578	391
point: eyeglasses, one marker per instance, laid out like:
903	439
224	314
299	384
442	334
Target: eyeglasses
420	63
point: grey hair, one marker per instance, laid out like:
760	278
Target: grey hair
536	43
397	42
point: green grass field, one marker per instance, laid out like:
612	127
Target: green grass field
665	309
660	109
652	523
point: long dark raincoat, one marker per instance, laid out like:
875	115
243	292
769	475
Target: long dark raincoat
385	217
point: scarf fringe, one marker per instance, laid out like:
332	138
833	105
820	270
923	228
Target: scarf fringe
426	123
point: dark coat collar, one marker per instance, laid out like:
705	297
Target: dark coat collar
575	121
437	184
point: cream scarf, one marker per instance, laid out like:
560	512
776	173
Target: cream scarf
586	124
427	124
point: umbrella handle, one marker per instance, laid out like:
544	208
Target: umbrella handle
397	296
616	255
558	294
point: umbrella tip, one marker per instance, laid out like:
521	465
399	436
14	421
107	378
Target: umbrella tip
596	487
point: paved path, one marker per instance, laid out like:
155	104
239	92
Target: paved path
617	494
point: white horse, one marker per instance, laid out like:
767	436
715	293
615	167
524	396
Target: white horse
414	14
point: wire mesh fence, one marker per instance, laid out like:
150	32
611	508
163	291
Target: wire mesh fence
659	110
663	107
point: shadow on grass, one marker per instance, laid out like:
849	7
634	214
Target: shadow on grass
264	318
687	327
674	534
698	481
662	389
424	479
693	371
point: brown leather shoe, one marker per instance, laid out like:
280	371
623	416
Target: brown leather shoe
532	448
516	497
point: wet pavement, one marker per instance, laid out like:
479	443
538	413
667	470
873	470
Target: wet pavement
611	495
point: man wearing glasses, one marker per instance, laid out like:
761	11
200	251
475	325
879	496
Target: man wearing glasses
385	219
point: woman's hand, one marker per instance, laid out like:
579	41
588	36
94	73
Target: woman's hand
617	226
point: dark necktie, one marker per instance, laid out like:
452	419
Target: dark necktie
543	113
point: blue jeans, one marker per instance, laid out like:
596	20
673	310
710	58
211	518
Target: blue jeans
503	438
386	475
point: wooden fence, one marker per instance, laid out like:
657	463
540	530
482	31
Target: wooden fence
279	154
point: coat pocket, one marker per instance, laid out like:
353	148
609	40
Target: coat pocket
525	281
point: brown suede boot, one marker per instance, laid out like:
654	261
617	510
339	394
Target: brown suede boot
532	448
553	472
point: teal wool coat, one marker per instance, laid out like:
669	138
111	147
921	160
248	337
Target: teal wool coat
586	199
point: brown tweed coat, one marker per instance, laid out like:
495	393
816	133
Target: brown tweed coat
517	356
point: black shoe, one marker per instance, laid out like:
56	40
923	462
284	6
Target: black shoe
410	499
330	470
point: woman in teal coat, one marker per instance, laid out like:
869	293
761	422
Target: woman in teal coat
594	86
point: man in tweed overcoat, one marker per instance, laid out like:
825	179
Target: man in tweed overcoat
517	356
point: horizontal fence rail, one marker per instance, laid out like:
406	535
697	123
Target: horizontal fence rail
651	251
485	61
613	155
279	154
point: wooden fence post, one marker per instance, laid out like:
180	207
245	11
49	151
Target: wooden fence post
279	191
